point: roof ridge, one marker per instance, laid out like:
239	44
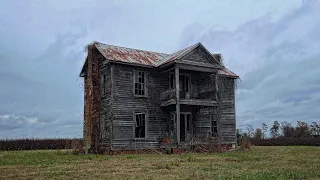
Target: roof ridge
97	42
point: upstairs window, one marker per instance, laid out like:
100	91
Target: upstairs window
103	84
172	81
140	125
214	126
140	83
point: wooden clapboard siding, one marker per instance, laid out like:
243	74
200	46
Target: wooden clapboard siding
199	55
228	118
202	85
125	103
106	115
118	104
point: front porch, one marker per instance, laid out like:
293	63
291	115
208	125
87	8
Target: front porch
188	92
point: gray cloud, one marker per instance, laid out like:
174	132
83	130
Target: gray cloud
44	95
41	54
278	62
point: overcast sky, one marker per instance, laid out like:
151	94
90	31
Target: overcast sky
273	45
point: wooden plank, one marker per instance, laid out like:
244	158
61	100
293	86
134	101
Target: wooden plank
167	103
198	102
195	63
177	105
178	122
194	68
111	102
125	103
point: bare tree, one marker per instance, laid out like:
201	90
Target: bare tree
250	130
315	129
264	128
287	129
274	131
302	129
258	133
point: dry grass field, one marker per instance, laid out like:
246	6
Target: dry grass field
279	162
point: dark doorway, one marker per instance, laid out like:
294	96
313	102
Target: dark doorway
185	129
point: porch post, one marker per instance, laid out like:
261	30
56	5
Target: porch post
177	103
217	94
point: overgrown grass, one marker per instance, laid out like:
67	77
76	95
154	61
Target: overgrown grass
259	163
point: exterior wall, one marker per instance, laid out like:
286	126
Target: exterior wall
202	121
125	104
203	86
228	117
106	114
92	98
114	120
199	55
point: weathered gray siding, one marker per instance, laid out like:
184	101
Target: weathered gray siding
106	115
125	104
203	86
202	121
199	55
228	119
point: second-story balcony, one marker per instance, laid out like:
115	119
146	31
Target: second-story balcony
196	97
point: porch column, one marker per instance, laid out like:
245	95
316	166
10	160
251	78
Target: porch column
216	85
177	103
217	94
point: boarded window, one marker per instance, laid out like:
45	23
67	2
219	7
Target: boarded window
140	83
214	126
140	125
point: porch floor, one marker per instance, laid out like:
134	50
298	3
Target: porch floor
197	102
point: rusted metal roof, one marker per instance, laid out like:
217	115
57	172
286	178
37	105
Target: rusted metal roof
129	55
227	72
148	58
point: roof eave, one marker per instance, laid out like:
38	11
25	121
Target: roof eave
131	64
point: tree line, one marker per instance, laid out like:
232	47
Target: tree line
282	129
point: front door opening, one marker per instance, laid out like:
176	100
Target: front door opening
185	129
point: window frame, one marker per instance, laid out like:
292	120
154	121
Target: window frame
103	84
135	123
212	120
135	72
172	74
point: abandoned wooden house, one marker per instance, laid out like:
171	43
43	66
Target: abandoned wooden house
136	99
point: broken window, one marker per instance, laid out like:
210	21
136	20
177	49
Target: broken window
214	126
140	125
140	83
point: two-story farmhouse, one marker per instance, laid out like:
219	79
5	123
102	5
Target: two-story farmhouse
134	99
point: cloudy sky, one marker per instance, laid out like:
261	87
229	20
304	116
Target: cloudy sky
273	45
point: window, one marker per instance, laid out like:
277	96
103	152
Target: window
140	83
172	81
103	84
140	125
186	83
214	126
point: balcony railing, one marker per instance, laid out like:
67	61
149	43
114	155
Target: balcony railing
202	94
168	94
